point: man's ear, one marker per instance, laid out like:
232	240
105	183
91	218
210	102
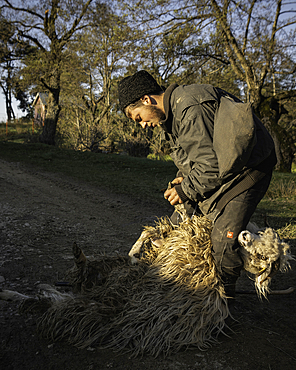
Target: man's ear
146	100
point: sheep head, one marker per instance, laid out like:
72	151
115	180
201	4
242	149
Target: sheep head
264	254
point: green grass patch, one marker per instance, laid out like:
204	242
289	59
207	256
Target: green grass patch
158	157
18	126
19	131
144	178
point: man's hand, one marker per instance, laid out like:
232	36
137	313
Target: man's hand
171	194
177	180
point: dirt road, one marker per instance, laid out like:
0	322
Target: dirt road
42	214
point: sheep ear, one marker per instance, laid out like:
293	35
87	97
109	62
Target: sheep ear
248	237
245	236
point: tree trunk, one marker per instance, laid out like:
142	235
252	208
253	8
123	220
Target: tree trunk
8	103
50	122
270	112
284	147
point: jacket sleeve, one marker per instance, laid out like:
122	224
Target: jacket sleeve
195	137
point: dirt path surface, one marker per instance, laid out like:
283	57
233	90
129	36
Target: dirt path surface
42	214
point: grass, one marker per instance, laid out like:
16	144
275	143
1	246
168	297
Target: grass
15	128
279	205
144	178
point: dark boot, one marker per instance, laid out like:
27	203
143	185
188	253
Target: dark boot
229	285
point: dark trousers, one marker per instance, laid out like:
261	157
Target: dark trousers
231	221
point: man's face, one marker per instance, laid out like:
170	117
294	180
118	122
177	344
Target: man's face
147	116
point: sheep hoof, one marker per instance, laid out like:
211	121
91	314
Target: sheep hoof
134	260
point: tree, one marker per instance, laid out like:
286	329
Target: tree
11	52
253	36
254	59
102	49
6	60
50	28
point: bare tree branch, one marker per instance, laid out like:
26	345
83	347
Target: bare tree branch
248	25
231	45
68	34
25	10
33	39
266	67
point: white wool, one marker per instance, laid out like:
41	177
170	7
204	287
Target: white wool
263	254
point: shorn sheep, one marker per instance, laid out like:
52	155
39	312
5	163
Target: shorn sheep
172	298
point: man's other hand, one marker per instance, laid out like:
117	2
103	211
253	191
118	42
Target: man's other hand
171	194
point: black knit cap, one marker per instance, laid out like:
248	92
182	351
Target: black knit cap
132	88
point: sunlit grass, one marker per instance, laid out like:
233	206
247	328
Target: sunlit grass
278	208
288	231
282	187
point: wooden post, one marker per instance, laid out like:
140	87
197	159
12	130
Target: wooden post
33	126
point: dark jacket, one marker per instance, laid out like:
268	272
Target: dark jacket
191	118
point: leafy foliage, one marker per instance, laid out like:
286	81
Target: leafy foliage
78	50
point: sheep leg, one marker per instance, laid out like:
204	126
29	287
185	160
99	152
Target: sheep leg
10	295
134	253
282	291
